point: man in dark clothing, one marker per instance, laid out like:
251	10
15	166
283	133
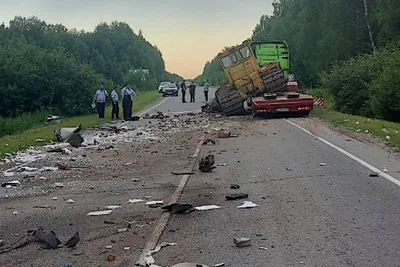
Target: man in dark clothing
183	88
115	104
192	88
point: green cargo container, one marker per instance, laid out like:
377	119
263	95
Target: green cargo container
272	52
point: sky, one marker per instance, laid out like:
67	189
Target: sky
188	32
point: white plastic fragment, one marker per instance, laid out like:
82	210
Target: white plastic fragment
8	174
58	185
149	260
15	213
219	264
263	248
154	202
54	198
127	248
322	164
132	201
247	205
385	170
108	247
121	230
99	213
70	201
207	207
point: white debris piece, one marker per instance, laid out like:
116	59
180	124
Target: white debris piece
263	248
70	201
127	248
58	185
149	260
49	169
15	213
113	207
27	169
99	213
121	230
108	247
54	198
207	207
154	202
247	205
385	170
388	138
11	183
132	201
219	264
322	164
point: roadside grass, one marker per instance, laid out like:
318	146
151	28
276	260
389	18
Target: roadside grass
389	132
26	139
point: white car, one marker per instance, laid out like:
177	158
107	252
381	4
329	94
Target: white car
161	86
170	89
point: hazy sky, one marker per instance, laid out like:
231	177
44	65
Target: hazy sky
188	32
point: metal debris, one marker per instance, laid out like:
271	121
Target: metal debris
247	205
207	207
99	213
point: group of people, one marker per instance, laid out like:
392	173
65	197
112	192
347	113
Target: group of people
192	91
100	99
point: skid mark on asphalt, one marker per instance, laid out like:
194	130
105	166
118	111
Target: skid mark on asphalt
162	223
348	154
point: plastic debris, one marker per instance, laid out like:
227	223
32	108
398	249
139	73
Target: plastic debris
58	185
54	198
11	183
15	213
99	213
242	242
388	138
47	239
247	205
263	248
385	170
72	241
135	201
127	248
155	203
222	164
207	164
109	247
52	120
149	260
322	164
219	264
176	208
64	133
70	201
207	207
236	196
122	230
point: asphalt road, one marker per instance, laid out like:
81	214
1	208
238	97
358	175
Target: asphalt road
308	214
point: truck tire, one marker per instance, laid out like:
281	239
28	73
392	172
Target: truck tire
230	101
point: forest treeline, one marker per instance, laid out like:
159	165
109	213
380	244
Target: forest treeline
349	47
47	66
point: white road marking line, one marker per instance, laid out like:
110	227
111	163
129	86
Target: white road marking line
362	162
153	107
162	223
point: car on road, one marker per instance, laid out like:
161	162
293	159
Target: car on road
170	89
161	86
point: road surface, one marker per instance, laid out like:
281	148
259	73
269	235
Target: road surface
317	204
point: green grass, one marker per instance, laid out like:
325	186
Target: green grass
25	139
389	132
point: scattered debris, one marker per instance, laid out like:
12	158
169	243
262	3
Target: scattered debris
64	133
222	164
8	174
11	183
207	164
127	248
185	264
242	242
289	169
155	203
70	201
247	205
388	138
109	222
99	213
135	200
72	241
322	164
135	180
47	239
207	141
223	134
39	140
109	247
42	207
385	170
26	169
111	257
219	264
207	207
235	186
176	208
263	248
75	140
54	198
52	120
122	230
374	174
60	185
182	173
133	118
236	196
149	260
15	213
113	207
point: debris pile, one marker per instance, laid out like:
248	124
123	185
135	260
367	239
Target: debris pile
207	164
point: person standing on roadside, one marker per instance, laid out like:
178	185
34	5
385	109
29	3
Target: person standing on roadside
192	91
126	95
206	88
100	99
115	104
183	88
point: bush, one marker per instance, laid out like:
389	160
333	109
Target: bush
366	85
33	79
